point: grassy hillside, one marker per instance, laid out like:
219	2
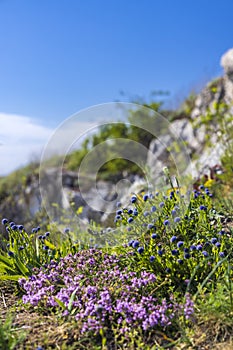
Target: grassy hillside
166	282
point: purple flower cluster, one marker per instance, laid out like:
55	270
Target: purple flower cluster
100	290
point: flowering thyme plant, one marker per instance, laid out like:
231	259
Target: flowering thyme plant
98	291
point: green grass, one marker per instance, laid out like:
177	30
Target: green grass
208	278
10	336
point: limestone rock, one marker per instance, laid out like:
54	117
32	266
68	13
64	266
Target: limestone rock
227	63
158	154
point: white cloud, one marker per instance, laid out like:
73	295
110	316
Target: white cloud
21	138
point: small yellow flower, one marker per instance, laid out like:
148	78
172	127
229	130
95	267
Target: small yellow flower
209	183
79	211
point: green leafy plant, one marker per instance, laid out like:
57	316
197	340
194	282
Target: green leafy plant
26	251
10	336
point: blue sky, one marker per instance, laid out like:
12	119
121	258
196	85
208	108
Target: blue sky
60	56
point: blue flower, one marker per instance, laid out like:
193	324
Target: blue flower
173	212
154	236
153	209
180	244
130	211
218	244
173	239
151	226
4	221
175	252
180	261
145	197
201	187
45	247
135	244
133	199
67	230
135	212
20	227
222	254
199	247
161	205
193	247
160	252
21	247
130	220
140	250
221	233
177	219
152	258
10	253
166	222
186	250
205	253
203	207
146	213
119	212
130	243
47	234
167	270
213	240
186	255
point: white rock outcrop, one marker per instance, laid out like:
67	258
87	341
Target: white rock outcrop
227	64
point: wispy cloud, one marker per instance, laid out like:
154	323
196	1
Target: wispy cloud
21	138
